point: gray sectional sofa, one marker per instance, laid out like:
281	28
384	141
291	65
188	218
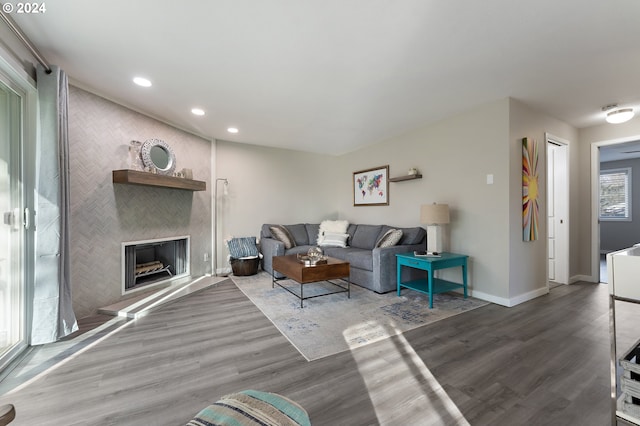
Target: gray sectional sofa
371	267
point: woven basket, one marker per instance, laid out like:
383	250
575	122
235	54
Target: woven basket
244	267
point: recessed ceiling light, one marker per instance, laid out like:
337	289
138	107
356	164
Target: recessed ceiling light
197	111
141	81
232	130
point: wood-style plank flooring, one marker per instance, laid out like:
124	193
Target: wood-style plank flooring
545	362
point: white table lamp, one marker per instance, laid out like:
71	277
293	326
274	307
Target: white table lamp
434	215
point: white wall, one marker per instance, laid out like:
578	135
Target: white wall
13	51
528	260
272	185
454	157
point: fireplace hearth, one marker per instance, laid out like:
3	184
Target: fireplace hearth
152	262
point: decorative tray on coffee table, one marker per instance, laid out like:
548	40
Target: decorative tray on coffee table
310	260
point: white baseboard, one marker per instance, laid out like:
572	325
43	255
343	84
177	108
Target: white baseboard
224	271
510	302
489	297
576	278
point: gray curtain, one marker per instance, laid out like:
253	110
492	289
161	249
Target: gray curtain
53	316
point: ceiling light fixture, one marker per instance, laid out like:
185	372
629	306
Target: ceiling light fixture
232	130
141	81
197	111
618	115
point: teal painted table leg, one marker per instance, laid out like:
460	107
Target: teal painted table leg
464	278
430	288
399	274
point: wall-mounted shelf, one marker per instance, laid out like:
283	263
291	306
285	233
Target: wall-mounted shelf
134	177
403	178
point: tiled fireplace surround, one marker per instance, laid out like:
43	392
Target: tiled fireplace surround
103	214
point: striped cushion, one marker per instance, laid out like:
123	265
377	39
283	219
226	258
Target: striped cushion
242	247
280	232
249	408
331	239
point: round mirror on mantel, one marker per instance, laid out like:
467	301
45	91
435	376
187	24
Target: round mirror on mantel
157	154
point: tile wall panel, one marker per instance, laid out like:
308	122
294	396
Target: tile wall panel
103	214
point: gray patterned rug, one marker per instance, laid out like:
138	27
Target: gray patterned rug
331	324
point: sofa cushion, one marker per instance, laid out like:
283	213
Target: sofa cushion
412	235
280	232
299	232
359	258
366	236
389	238
299	250
312	232
351	230
265	232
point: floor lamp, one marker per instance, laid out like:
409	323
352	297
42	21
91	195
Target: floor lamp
225	191
434	215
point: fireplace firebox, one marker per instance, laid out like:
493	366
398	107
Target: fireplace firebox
152	262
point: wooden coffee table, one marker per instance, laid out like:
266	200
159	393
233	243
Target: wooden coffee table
293	269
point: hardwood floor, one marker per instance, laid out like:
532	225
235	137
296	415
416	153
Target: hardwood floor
545	362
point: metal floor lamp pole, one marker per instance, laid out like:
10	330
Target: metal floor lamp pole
215	222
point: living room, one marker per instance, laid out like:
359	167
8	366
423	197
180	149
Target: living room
455	153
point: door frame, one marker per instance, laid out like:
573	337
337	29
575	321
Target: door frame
595	197
14	77
564	234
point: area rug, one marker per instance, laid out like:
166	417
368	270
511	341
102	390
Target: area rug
331	324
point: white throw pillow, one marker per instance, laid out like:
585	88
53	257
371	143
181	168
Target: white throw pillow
337	226
332	239
333	226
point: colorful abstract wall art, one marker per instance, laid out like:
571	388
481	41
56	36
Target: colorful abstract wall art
530	190
371	187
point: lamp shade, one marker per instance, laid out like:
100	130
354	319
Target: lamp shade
434	214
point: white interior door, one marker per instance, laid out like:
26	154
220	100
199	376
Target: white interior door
558	210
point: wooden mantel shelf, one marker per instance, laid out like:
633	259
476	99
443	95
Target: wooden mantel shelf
134	177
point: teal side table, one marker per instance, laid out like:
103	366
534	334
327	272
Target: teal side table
432	285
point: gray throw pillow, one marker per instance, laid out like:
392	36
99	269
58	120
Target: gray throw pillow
281	233
390	238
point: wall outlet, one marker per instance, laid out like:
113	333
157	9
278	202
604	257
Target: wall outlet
205	257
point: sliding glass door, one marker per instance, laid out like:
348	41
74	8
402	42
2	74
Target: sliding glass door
13	313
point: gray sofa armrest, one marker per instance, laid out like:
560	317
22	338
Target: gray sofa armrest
270	247
385	266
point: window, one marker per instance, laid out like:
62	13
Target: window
615	194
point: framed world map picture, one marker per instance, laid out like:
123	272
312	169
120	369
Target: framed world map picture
371	187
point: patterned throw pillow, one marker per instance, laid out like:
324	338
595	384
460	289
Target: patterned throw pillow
331	239
281	233
390	238
243	247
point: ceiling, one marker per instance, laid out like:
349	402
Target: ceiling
620	151
333	76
